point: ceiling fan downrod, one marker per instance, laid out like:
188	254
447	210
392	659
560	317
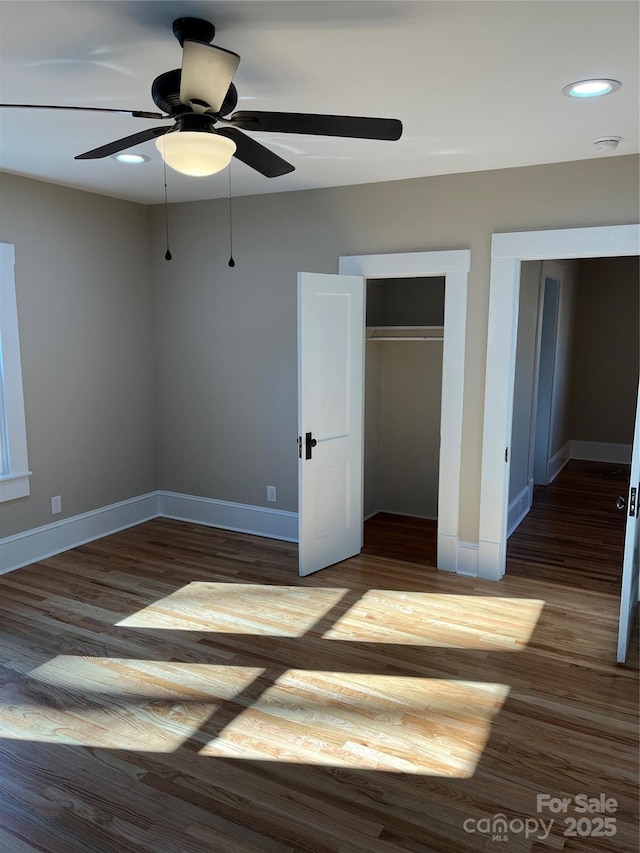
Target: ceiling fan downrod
193	29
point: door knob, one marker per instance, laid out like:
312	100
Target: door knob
621	503
309	443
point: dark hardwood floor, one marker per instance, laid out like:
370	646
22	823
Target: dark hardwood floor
573	533
401	537
178	689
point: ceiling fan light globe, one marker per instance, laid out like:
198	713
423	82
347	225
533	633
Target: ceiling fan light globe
195	153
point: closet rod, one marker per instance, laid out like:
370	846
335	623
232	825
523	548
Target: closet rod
405	338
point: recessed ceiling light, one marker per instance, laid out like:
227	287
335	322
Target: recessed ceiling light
131	158
607	143
591	88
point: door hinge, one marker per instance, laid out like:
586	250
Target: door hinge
633	497
299	447
506	454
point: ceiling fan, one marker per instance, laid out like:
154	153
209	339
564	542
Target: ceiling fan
201	95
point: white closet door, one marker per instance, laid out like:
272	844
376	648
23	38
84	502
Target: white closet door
330	418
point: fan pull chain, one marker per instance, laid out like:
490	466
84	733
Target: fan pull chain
232	263
167	254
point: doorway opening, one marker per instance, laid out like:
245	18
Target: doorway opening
576	376
508	252
452	554
402	420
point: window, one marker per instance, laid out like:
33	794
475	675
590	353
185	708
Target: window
14	467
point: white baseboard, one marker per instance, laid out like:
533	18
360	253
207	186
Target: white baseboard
600	451
447	558
491	559
519	507
558	461
467	562
409	514
42	542
243	518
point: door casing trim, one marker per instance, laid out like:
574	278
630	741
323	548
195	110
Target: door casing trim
507	253
454	266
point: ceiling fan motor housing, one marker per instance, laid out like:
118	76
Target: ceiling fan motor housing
194	122
165	91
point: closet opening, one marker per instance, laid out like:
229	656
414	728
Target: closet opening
403	394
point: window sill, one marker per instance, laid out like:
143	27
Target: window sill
14	486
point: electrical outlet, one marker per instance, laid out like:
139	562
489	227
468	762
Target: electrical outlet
271	494
56	505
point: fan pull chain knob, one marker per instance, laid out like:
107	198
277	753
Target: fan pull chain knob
232	263
167	254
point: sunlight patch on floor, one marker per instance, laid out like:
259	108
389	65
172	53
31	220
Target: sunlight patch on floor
370	722
238	608
118	703
367	721
448	621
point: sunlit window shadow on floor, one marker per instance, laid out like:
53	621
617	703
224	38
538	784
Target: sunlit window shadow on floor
450	621
386	616
391	723
119	703
368	720
375	722
238	608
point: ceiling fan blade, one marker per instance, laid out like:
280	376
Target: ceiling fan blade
207	72
256	155
134	113
122	144
319	125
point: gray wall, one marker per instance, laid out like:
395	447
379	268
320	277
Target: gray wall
84	314
402	427
525	384
405	301
403	394
560	432
372	425
604	379
521	435
410	427
597	357
227	337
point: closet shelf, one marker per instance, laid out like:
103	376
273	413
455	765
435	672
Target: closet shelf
405	333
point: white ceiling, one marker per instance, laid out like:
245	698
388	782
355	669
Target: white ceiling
476	84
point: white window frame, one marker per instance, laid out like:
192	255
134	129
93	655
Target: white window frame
14	465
